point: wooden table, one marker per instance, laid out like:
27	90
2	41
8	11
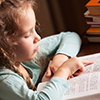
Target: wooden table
88	48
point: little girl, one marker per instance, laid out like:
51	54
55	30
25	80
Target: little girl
23	56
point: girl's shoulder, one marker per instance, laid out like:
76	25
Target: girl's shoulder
5	73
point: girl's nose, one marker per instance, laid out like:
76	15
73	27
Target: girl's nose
37	37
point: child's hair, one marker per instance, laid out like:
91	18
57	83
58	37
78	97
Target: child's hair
10	10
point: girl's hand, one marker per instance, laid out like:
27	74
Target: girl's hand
73	66
78	72
57	61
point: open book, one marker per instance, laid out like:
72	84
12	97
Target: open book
85	86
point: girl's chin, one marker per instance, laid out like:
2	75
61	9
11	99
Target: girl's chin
33	56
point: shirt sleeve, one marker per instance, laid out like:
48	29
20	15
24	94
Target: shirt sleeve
14	88
67	43
56	88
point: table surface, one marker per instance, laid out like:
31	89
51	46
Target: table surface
88	48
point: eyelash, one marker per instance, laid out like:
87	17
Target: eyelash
29	34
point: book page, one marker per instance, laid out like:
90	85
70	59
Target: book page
83	85
41	86
92	67
92	97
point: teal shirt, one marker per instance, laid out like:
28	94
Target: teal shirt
13	87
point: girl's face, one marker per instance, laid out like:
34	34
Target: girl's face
27	38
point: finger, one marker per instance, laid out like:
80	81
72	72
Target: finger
71	76
48	72
68	78
79	71
87	62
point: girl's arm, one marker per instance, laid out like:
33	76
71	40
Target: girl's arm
57	61
15	87
67	43
63	46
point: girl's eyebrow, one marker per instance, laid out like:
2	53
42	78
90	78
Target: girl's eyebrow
32	27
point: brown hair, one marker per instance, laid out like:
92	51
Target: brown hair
9	25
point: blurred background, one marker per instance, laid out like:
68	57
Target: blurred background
55	16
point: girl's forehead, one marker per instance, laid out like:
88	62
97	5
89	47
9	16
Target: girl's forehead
25	11
27	20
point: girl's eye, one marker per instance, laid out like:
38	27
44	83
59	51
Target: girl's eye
27	36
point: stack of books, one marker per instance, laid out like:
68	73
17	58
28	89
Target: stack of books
93	19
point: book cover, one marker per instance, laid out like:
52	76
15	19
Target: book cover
93	38
87	15
93	3
95	25
93	31
90	21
